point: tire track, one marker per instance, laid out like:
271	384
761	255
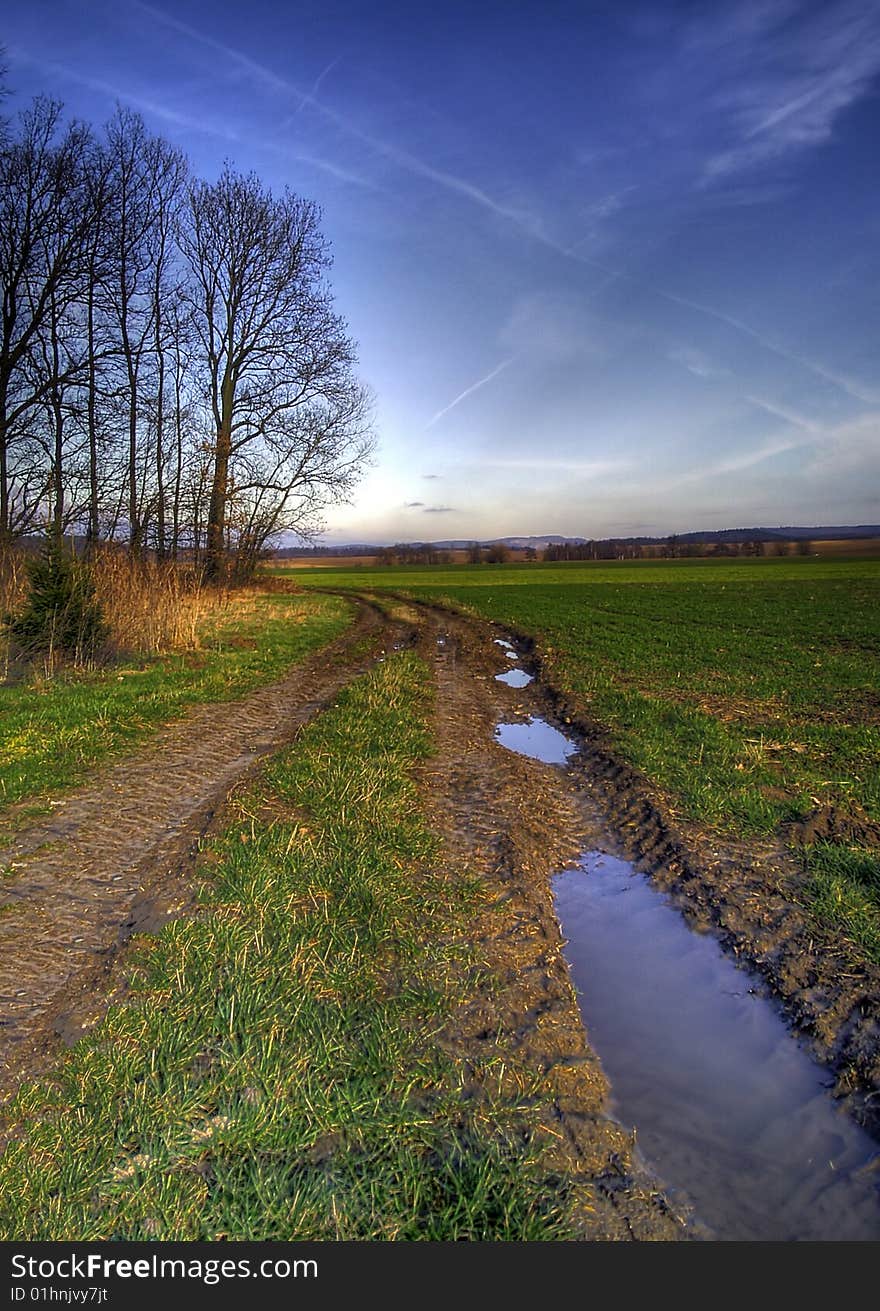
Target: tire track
108	862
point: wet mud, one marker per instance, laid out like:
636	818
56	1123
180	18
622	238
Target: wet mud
513	822
746	896
730	1108
749	895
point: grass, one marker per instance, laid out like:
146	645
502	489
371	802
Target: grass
54	731
746	690
278	1071
843	890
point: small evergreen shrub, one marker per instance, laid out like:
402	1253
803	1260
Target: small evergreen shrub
61	617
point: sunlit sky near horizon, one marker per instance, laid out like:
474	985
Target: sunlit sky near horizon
613	269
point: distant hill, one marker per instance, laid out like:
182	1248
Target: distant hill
790	534
821	533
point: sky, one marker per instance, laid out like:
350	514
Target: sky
613	269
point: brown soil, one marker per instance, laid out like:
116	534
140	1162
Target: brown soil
114	858
749	895
513	823
830	824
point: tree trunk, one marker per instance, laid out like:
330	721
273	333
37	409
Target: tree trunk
216	537
160	454
92	420
178	470
5	527
134	529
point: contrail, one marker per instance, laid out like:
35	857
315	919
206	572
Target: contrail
854	389
781	412
469	391
396	154
191	124
526	223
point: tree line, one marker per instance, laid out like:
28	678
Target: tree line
672	548
173	373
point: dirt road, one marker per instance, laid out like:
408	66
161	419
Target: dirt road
114	857
118	858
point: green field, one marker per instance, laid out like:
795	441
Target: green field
277	1072
53	731
747	691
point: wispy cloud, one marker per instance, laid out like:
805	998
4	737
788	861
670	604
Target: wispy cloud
782	412
840	53
389	150
734	463
853	387
439	509
144	104
748	459
852	448
858	391
540	464
835	54
556	327
696	362
413	505
468	391
201	124
792	83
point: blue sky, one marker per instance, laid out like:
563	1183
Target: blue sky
612	268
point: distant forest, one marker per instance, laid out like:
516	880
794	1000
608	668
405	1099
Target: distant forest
723	542
173	374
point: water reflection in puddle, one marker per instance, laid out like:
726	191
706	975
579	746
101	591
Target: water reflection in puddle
536	738
508	649
727	1106
514	678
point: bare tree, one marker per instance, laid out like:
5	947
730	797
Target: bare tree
98	331
136	162
181	405
169	172
44	225
290	422
171	366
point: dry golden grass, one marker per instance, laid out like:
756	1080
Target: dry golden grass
152	606
13	579
13	585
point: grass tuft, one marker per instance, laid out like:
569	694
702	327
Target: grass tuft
843	892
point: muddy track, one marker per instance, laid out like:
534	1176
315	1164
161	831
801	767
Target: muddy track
514	822
749	895
119	857
114	858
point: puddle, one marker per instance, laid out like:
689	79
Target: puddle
514	678
507	647
729	1109
536	738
